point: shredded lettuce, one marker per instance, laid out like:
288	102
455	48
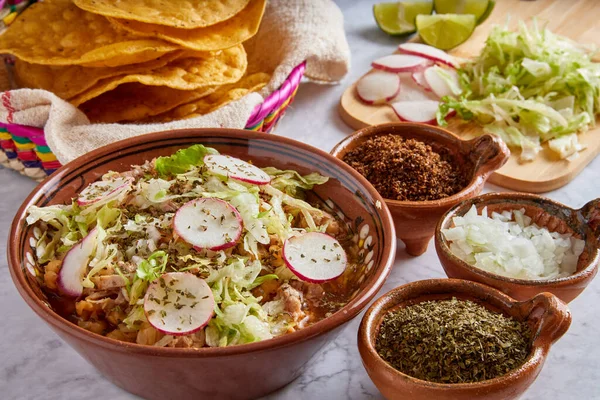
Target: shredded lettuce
290	182
529	86
183	160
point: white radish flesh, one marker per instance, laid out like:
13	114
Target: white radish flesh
401	63
235	168
314	257
417	111
74	265
419	78
208	224
442	81
429	52
179	303
411	91
101	190
378	87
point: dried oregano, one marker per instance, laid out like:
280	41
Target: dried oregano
452	341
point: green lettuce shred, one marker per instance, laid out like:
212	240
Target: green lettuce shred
529	86
183	160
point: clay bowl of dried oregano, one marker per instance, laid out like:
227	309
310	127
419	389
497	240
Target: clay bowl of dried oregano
450	339
521	244
421	171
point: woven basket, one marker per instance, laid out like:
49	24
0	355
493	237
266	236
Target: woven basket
24	148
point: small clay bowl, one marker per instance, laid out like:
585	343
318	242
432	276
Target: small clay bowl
548	317
556	217
415	221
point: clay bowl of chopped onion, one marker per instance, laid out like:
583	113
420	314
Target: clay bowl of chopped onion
546	317
475	160
527	244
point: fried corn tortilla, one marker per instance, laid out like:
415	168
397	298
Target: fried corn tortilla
186	14
134	101
56	32
221	97
228	66
223	35
71	80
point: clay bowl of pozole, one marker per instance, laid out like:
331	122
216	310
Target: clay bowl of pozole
466	164
192	271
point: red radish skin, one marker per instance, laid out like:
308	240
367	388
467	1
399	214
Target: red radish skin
315	257
100	190
236	169
411	91
208	223
417	111
173	314
75	264
419	78
378	87
429	52
401	63
438	85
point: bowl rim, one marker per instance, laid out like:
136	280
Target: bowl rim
375	313
342	316
442	244
376	130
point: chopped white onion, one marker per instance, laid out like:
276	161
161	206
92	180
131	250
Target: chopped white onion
508	244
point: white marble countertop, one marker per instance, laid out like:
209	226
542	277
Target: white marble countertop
36	364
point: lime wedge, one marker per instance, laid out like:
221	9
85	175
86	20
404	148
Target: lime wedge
399	18
479	8
445	31
487	12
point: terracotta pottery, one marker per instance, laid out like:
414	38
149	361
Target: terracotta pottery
556	217
547	316
415	221
236	372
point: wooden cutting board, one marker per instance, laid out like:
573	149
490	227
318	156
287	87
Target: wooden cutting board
576	19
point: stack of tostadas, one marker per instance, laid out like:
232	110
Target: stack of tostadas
137	60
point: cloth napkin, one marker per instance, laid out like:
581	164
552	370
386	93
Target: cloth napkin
292	31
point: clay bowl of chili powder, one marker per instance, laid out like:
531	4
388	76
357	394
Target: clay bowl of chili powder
421	171
451	339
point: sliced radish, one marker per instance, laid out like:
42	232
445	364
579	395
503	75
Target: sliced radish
74	265
236	169
411	91
419	78
208	223
378	87
179	303
417	111
429	52
314	257
401	63
101	190
442	81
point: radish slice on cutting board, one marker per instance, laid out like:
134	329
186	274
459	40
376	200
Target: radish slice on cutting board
378	87
179	303
101	190
417	111
411	91
75	263
442	81
208	224
401	63
419	78
236	169
429	52
314	257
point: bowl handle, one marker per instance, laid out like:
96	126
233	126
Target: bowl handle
554	317
487	153
590	213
